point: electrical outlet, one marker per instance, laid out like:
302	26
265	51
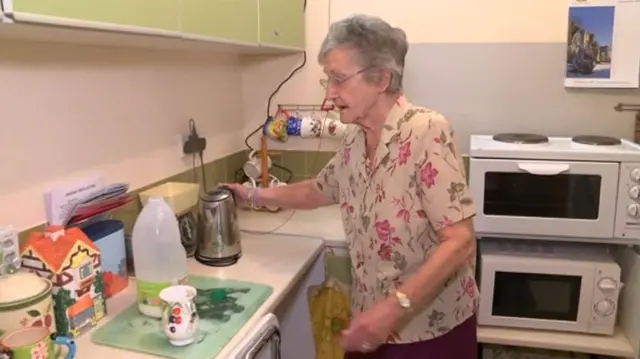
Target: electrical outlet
181	140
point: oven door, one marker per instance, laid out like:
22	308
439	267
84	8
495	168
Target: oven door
537	294
544	198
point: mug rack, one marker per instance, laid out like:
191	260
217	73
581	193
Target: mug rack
264	152
264	169
323	107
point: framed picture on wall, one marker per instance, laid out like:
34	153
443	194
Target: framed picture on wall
603	47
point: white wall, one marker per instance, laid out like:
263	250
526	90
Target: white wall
427	21
68	111
466	21
260	78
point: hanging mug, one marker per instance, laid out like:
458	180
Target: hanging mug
310	127
275	182
34	343
253	167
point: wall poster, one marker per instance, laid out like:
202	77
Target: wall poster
603	44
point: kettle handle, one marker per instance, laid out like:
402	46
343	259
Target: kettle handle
233	195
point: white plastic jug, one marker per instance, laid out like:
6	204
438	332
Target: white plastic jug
159	258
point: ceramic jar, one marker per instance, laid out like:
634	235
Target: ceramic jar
179	318
34	343
25	301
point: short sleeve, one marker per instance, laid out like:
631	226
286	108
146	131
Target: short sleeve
327	180
440	177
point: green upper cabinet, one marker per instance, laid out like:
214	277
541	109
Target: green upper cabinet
272	24
151	14
282	23
233	20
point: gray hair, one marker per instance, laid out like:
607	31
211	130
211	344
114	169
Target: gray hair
379	46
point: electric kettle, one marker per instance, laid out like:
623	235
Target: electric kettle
218	231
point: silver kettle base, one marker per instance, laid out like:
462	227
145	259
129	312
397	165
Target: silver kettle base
218	262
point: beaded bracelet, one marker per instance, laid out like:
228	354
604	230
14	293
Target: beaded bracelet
252	198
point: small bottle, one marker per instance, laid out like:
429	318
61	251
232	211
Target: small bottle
159	258
9	250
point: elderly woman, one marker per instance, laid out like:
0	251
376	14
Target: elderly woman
406	209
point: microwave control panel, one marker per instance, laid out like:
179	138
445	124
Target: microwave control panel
627	224
605	294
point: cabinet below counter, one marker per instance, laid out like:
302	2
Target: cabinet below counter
241	26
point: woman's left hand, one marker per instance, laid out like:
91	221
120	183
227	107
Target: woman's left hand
370	329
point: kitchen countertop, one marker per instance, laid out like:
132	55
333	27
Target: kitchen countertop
324	223
279	260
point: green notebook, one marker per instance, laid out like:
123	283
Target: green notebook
221	317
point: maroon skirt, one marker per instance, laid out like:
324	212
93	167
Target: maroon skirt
459	343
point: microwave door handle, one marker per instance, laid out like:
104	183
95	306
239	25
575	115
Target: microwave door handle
544	169
263	340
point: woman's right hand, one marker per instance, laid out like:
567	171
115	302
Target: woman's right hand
240	192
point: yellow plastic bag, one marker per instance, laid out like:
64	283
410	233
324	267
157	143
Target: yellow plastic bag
330	314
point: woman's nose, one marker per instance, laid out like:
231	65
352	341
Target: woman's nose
330	92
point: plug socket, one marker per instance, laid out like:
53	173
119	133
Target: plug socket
194	145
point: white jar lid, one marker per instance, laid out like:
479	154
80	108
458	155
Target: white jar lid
19	286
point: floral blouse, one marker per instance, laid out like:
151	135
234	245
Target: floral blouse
392	206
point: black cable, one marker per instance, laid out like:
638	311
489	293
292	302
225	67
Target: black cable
194	132
204	172
193	166
273	94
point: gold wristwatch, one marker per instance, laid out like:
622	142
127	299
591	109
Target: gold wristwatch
403	300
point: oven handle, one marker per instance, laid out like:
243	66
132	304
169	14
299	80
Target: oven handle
544	169
272	332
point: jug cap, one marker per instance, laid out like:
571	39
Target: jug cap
218	295
217	194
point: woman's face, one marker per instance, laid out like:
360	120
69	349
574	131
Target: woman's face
346	87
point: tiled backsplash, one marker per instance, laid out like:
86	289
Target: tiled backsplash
303	165
220	170
307	164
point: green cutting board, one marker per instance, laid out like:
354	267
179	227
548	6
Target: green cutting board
219	322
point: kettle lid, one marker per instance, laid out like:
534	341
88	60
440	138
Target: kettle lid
218	194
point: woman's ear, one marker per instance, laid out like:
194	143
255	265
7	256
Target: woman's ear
384	81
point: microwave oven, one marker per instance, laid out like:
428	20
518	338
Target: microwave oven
548	286
591	200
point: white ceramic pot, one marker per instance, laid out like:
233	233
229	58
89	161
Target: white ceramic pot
179	318
25	301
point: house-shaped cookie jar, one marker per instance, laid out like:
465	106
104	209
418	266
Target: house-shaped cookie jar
69	259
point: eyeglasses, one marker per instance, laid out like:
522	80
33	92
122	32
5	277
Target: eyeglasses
332	81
